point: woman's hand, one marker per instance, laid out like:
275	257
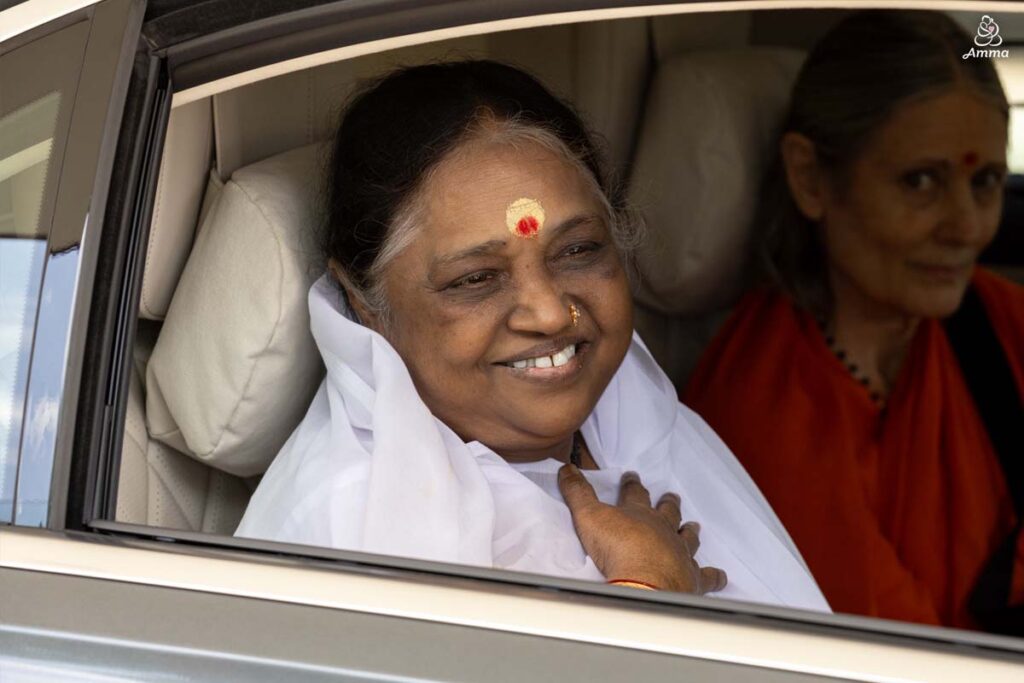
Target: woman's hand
633	540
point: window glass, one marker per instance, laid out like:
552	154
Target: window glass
700	146
26	142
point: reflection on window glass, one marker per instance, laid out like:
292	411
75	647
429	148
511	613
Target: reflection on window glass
39	426
26	140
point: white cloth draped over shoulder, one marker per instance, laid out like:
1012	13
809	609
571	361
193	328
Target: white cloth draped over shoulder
370	468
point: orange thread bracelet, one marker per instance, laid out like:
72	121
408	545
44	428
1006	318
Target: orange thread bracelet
630	583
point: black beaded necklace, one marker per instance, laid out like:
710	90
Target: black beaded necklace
574	455
876	396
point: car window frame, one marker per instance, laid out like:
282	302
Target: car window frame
81	186
168	64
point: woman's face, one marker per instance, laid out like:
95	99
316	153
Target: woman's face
469	299
905	226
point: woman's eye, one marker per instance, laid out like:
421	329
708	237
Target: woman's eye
581	249
987	180
472	280
921	181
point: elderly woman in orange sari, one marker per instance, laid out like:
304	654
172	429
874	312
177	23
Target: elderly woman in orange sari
873	387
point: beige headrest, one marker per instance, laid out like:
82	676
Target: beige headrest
184	169
708	136
235	366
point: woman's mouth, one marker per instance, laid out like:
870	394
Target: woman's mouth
555	360
944	273
565	362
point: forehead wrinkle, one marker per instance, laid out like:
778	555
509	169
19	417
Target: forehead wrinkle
480	199
483	249
954	119
492	246
480	178
499	165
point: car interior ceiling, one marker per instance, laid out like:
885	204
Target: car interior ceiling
237	186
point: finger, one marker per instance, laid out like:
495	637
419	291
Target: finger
668	507
576	490
632	491
712	579
690	533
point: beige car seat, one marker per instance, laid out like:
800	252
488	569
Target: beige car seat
233	367
698	192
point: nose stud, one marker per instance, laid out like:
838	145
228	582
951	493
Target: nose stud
574	314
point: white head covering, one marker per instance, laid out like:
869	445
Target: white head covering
370	468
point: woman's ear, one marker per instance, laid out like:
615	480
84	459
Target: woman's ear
355	299
804	175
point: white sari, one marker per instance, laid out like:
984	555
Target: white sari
370	468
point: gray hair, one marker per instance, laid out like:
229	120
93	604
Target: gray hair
626	226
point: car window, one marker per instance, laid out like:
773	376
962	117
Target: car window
39	80
177	469
26	141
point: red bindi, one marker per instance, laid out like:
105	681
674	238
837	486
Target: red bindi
527	226
971	159
524	217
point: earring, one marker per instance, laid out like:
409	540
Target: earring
574	314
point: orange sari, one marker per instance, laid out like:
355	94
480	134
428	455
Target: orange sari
897	511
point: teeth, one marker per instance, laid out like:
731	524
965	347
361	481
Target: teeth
564	356
557	360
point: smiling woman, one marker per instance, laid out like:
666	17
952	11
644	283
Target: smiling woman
499	300
885	366
477	329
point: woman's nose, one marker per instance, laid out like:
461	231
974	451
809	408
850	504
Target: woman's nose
965	219
540	307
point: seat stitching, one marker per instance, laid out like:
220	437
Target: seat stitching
121	500
138	444
133	421
271	337
160	436
172	495
170	492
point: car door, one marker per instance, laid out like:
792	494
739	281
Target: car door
87	598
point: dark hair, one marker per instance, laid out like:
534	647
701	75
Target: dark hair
399	128
858	73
